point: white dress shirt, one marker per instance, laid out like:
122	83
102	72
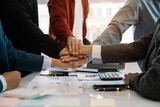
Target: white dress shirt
3	83
78	20
96	51
46	64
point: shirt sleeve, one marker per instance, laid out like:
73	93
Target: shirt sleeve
128	15
47	62
3	83
96	52
58	20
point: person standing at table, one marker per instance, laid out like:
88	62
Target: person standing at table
142	14
147	48
68	22
20	24
12	60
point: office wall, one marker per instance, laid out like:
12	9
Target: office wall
91	1
101	12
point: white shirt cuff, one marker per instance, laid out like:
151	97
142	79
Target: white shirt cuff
47	62
96	51
3	82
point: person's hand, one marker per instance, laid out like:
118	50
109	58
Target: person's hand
78	61
12	79
129	76
57	63
64	52
69	58
86	50
74	45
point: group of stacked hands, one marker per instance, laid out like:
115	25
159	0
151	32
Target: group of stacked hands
76	53
26	35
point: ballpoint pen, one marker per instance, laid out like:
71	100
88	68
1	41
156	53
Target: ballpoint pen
91	75
108	89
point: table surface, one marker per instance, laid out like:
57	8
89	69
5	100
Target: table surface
121	98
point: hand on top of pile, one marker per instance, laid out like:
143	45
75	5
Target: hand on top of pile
77	60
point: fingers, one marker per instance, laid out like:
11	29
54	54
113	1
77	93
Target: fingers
70	62
57	63
129	76
70	42
81	56
126	79
64	52
72	58
68	58
64	57
79	62
70	46
68	65
80	46
74	45
17	73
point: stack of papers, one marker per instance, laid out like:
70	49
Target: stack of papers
56	85
62	85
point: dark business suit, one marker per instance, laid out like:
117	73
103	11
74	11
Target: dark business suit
31	7
13	59
148	49
20	24
148	84
21	28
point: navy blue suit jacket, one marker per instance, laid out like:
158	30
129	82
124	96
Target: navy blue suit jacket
13	59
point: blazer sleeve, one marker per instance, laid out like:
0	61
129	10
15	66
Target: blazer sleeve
58	19
148	84
20	60
16	22
126	52
128	15
1	86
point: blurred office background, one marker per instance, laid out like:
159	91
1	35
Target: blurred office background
101	12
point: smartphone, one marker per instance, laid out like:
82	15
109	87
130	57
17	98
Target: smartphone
118	87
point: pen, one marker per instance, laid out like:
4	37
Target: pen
91	75
108	89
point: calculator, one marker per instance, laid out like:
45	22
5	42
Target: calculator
110	74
